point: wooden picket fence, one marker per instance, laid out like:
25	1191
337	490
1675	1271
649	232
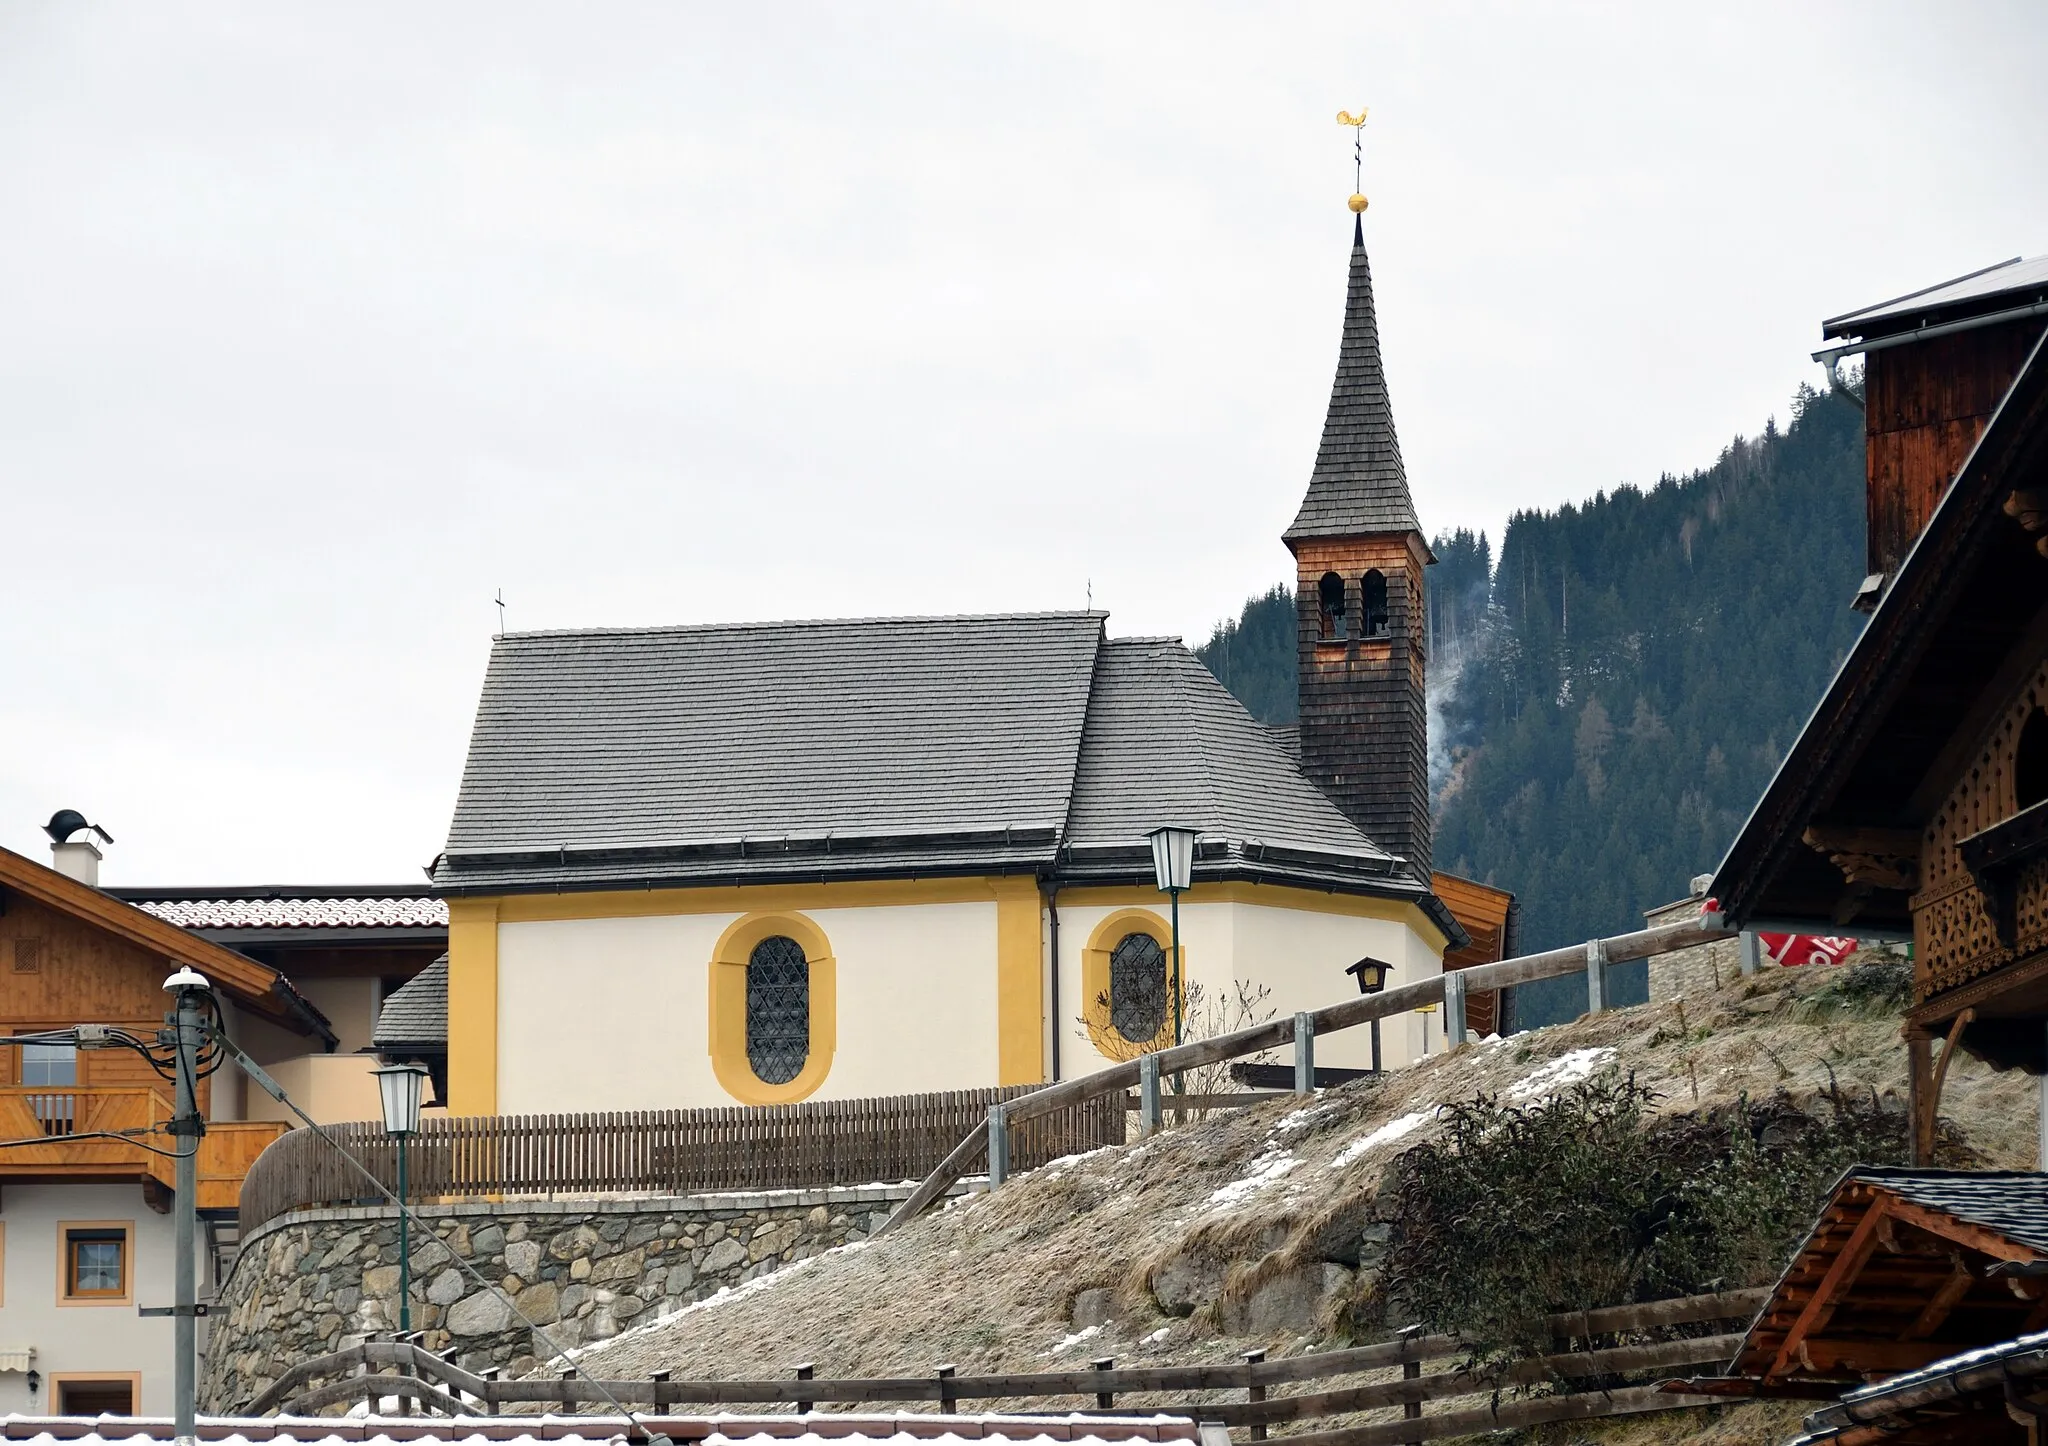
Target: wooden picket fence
773	1147
1592	1349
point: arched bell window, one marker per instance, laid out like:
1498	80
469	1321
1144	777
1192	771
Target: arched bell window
1137	988
1373	591
1331	618
778	1009
2030	761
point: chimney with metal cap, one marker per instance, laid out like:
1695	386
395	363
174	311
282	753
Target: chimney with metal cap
76	857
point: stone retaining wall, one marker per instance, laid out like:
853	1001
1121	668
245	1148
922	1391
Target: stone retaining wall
317	1280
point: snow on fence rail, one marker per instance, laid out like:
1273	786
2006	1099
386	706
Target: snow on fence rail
829	1142
997	1133
418	1375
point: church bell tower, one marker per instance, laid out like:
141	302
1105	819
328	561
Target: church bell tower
1359	554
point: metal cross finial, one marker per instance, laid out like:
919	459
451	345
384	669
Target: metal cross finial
1357	124
501	612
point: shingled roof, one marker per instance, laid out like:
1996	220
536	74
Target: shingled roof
1217	770
877	748
416	1013
1359	485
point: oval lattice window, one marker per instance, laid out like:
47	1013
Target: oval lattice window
1137	988
778	1010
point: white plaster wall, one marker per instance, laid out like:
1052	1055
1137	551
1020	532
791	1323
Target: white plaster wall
1297	954
91	1339
613	1014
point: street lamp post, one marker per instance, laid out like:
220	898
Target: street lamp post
1173	869
1371	975
401	1086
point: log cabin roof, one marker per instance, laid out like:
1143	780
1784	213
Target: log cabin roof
874	748
2009	284
1916	686
1897	1272
252	984
1359	485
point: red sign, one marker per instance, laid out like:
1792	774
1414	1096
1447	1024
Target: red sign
1796	949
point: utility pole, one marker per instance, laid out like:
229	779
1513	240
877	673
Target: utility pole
187	1126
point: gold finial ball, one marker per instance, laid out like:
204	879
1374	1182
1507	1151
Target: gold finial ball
1357	204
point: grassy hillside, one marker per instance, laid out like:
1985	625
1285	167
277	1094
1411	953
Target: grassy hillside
1292	1227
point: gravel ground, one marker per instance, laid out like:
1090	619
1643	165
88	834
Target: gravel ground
989	1283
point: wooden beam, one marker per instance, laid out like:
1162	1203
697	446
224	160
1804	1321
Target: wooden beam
1945	1299
1840	1275
1948	1052
1825	1354
1919	1080
1979	1238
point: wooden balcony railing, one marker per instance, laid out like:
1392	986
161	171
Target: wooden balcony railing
72	1125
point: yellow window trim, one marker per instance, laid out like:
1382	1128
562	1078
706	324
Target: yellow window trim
728	984
126	1294
54	1386
1102	942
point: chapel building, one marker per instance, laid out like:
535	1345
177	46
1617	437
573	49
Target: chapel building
831	859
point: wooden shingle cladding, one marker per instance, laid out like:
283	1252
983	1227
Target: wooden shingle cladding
1901	1270
1364	724
1364	716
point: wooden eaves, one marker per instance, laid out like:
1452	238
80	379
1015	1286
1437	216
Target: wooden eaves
251	984
1885	1284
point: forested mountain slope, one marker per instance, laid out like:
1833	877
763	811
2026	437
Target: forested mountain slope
1610	699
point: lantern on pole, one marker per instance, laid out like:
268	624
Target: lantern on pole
401	1087
1371	975
1173	869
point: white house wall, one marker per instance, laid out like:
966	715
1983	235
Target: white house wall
1298	955
90	1340
611	1014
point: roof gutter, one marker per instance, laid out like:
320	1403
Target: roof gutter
315	1022
1831	356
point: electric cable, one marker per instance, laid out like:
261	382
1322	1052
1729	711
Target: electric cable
276	1091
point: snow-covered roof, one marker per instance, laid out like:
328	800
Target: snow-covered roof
905	1429
341	912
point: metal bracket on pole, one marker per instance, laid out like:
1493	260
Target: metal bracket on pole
1596	977
1752	958
1304	1053
198	1309
1454	1009
998	1145
1148	1094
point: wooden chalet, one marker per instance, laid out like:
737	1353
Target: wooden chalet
71	954
1915	802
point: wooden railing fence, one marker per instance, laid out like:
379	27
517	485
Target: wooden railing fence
410	1372
830	1142
998	1134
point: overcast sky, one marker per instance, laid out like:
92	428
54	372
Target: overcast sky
321	323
